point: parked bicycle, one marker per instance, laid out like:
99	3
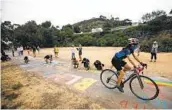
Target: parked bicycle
140	85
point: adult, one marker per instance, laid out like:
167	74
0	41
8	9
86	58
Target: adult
138	50
56	51
21	50
28	50
13	49
34	51
38	48
18	51
122	66
80	52
73	52
154	51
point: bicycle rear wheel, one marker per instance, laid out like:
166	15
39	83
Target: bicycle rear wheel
109	78
149	91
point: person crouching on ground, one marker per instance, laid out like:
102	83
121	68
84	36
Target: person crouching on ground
48	58
98	65
75	62
26	59
86	63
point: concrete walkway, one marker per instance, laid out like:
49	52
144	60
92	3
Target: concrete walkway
88	83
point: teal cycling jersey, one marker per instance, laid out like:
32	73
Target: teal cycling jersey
125	52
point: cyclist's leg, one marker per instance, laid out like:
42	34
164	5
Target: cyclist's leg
117	64
127	67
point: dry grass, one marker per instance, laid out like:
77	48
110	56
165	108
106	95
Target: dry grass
21	89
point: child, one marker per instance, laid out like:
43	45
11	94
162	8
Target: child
86	63
80	52
48	58
56	51
73	52
26	59
75	63
98	65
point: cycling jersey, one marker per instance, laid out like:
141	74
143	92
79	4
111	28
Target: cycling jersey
125	52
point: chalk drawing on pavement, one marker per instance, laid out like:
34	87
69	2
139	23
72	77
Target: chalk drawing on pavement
76	78
84	84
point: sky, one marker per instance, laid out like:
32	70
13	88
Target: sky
62	12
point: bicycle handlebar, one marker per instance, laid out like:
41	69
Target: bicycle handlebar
140	69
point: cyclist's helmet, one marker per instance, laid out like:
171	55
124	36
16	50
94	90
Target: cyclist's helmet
133	41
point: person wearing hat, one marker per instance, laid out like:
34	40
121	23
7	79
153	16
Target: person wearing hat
154	51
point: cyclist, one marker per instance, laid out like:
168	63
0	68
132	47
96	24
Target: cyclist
119	63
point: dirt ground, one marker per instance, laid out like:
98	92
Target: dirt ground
163	66
23	90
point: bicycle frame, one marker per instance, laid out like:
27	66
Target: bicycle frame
133	75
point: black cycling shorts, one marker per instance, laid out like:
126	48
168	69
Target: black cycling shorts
118	63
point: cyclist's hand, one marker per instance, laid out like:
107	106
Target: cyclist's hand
143	64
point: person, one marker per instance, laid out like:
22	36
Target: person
48	58
28	50
80	52
154	51
98	65
86	63
119	63
75	62
73	52
21	50
56	51
18	51
38	48
26	59
34	51
138	50
13	49
4	57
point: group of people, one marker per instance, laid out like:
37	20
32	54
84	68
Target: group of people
117	60
20	50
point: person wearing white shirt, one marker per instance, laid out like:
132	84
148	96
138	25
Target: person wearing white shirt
21	50
73	52
18	51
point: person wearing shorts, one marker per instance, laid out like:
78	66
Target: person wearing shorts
122	66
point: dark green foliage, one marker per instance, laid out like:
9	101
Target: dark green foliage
46	35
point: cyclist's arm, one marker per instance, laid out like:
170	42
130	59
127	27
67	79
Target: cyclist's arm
136	58
129	59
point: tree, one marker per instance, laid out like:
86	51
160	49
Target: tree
102	17
46	24
170	12
77	29
154	14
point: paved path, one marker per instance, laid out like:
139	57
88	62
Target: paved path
88	83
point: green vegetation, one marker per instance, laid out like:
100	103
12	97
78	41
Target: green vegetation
156	26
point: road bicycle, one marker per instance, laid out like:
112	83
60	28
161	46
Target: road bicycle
141	86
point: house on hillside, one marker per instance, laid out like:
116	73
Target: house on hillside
94	30
135	24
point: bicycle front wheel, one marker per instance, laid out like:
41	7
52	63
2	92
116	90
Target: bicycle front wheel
144	88
109	78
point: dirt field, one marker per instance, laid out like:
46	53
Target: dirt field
24	90
163	66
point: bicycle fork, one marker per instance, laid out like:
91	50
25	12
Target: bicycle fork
140	81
